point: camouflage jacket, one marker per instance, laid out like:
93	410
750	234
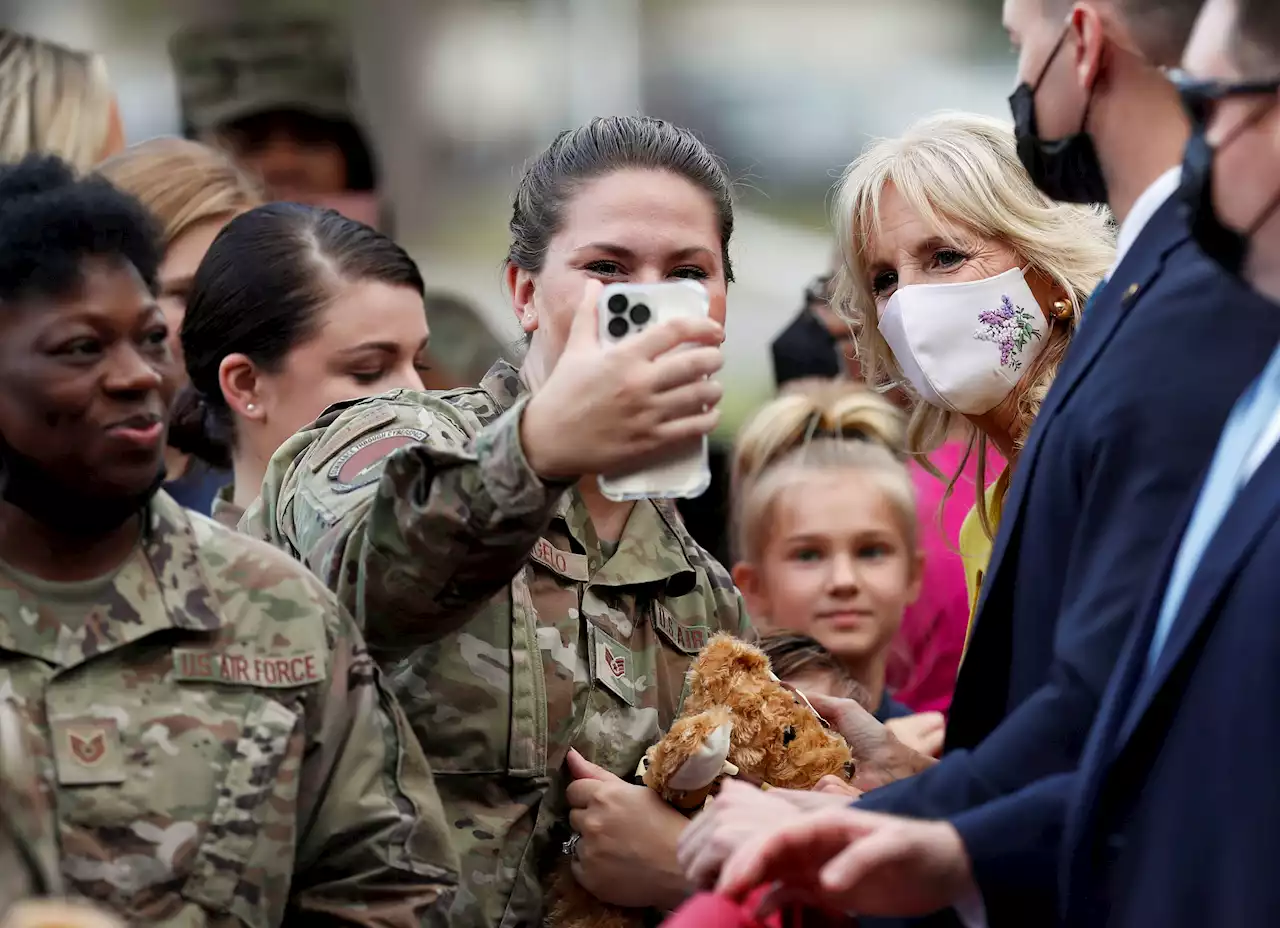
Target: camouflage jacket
422	512
28	843
224	511
216	744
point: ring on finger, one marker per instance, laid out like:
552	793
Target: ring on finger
570	847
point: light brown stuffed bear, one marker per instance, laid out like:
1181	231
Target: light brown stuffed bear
738	720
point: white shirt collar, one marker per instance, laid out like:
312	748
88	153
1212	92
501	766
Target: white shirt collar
1146	206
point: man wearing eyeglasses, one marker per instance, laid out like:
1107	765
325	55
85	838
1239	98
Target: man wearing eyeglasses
1175	819
1172	817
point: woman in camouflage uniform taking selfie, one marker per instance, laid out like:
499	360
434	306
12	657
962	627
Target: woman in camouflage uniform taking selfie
550	628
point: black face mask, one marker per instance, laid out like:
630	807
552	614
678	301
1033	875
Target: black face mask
1226	246
64	508
1066	169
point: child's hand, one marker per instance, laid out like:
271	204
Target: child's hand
923	731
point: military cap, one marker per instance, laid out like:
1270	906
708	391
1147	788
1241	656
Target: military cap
228	71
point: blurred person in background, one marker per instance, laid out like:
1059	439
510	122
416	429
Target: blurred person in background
471	347
192	190
214	739
294	308
470	526
921	672
57	101
826	532
277	95
817	343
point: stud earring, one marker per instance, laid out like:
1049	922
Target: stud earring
1062	309
250	408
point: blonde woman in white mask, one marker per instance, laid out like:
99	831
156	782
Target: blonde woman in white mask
966	284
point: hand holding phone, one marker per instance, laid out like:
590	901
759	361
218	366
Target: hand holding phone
625	311
614	405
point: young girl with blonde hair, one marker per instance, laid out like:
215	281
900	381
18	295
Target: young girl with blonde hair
826	532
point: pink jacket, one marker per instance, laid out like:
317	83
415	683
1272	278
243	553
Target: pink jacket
926	655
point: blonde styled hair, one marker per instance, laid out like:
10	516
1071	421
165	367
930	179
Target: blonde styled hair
182	183
960	173
53	100
816	426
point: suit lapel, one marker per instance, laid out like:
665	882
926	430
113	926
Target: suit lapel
1252	513
1165	232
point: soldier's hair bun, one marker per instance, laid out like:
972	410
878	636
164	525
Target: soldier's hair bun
260	292
196	428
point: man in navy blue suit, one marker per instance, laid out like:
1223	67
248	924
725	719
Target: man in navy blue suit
1119	445
1172	818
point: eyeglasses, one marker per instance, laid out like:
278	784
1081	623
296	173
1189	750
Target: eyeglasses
1200	96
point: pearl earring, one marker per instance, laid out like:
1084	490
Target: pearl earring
250	408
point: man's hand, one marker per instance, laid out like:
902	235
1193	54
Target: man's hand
626	854
857	862
878	756
738	813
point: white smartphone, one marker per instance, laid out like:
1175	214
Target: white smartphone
625	310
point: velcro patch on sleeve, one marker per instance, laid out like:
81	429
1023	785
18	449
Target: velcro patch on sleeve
337	438
357	466
245	668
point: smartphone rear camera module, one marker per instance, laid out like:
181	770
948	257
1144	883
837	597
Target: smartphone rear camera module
618	326
640	314
618	304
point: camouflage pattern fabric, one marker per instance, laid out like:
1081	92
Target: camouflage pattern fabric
228	71
28	862
224	511
462	344
216	744
421	510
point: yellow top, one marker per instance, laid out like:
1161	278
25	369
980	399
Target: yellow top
975	546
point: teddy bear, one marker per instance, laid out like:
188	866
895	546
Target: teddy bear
737	720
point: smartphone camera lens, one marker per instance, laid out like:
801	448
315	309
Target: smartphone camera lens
617	304
640	314
618	326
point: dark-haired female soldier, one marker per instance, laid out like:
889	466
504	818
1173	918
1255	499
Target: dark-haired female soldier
470	524
292	309
214	741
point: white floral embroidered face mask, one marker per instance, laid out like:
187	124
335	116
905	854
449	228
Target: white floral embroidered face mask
963	346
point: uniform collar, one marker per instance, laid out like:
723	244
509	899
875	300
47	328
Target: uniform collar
654	547
161	586
224	510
